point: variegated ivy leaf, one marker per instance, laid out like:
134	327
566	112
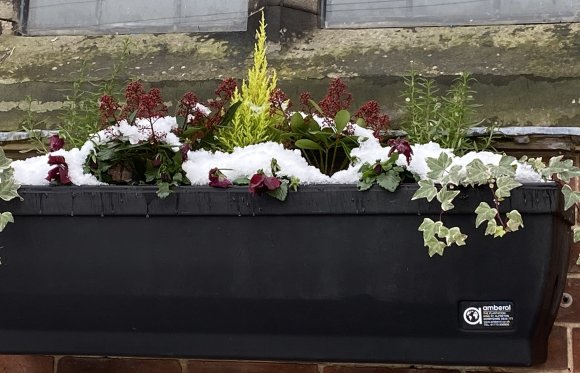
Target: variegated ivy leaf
514	221
426	190
5	218
4	161
563	169
490	229
438	166
494	230
8	186
477	173
504	185
505	167
454	236
435	246
484	213
453	176
446	196
576	231
537	164
435	232
570	197
429	228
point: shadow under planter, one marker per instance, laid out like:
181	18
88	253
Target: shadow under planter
332	274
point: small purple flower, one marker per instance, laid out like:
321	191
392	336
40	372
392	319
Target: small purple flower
261	183
217	179
401	146
60	172
55	143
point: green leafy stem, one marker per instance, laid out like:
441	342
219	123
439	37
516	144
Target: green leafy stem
444	179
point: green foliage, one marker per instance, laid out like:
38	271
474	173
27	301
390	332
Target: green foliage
385	174
33	126
8	188
437	237
443	180
327	148
81	110
252	122
441	118
119	162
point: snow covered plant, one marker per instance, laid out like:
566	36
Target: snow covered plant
444	178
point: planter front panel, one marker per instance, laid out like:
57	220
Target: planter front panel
330	275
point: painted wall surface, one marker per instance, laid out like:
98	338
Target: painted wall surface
389	13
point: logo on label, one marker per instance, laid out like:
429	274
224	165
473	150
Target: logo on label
472	316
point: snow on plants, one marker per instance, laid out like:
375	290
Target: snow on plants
244	161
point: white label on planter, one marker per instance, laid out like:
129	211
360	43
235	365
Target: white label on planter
486	315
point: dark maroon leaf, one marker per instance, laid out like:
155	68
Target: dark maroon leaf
55	143
271	183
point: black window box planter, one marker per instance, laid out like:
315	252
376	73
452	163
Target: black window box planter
332	274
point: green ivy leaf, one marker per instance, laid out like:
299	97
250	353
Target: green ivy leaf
570	197
563	169
455	237
514	221
5	218
8	186
499	231
426	190
438	166
435	247
453	176
281	192
389	180
446	196
4	161
491	228
477	173
505	167
429	228
484	213
504	185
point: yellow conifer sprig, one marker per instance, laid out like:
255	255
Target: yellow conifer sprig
252	122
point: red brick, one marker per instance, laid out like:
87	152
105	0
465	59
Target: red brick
557	350
26	364
196	366
71	364
572	312
375	369
574	253
576	348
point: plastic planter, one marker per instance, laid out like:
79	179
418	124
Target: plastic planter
332	274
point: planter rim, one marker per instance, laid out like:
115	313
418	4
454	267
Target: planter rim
318	199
